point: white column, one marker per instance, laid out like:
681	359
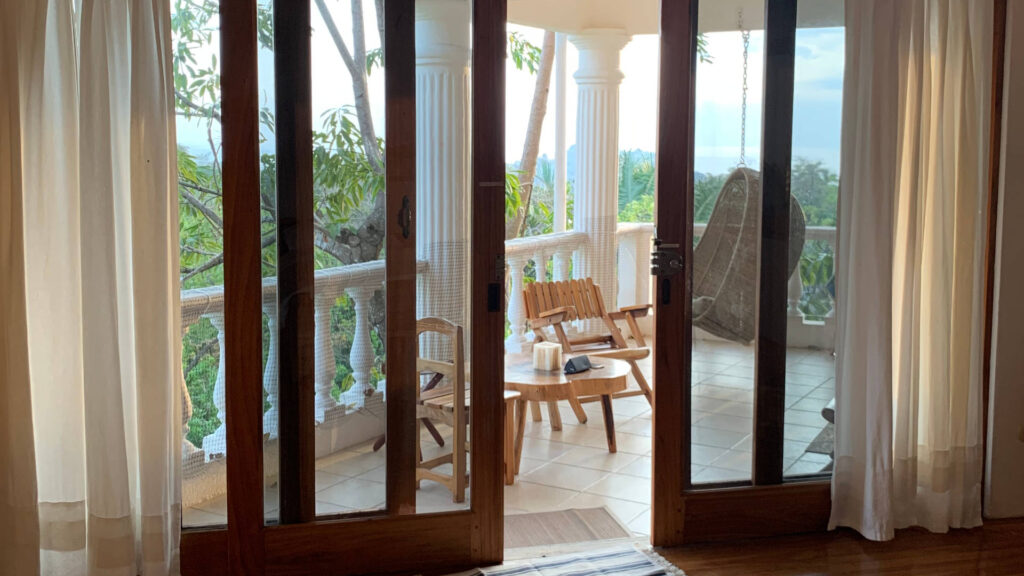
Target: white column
442	163
597	154
560	162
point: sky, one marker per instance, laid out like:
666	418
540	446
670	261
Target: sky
817	95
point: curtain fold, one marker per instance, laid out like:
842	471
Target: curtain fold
909	292
90	270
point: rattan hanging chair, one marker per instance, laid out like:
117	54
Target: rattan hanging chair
725	260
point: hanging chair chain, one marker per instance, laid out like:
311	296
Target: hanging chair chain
745	34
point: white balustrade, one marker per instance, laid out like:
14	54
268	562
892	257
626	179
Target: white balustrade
634	262
360	281
558	247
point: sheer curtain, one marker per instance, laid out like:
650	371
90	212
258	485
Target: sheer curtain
908	395
90	443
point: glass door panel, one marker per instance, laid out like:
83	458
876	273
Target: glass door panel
817	119
726	247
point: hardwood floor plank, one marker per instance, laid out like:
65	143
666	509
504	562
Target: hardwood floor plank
996	548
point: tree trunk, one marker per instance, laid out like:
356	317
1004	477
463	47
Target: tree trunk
531	147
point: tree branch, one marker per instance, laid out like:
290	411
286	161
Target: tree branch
217	260
357	69
531	147
206	210
339	42
198	188
188	103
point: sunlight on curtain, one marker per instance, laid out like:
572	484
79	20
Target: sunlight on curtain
908	403
98	284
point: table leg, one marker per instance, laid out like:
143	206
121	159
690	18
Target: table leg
535	410
577	408
509	445
520	430
609	421
554	415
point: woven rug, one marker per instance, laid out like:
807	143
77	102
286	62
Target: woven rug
562	527
624	561
825	441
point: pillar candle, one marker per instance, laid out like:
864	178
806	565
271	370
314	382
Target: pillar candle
547	356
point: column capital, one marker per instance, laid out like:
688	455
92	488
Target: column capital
599	50
442	32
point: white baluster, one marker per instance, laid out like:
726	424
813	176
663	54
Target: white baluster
271	371
516	309
796	290
190	455
361	355
832	246
643	268
323	356
540	265
561	261
627	265
215	444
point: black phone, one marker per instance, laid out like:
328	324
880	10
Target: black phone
577	364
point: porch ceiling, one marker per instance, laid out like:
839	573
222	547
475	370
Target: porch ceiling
641	16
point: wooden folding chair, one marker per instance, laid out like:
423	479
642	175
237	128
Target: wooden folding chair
552	304
447	402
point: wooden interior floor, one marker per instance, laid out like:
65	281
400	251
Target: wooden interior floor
996	548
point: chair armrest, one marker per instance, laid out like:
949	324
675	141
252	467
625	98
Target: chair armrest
636	311
550	320
566	310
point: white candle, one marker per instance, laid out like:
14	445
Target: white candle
547	356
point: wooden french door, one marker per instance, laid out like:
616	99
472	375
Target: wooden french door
765	503
392	537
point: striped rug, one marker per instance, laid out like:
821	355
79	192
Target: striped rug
624	561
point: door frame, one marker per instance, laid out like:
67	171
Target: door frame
395	539
768	504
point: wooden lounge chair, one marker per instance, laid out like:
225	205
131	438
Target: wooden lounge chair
549	305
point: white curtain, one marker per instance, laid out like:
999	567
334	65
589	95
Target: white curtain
90	440
909	279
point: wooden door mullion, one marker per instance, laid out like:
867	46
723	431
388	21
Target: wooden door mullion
295	282
773	286
243	286
400	261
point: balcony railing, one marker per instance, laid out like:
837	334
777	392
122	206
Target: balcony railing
633	274
547	256
359	281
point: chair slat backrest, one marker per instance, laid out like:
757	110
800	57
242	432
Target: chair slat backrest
582	295
455	370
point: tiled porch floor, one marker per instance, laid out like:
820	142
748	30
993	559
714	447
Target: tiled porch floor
572	468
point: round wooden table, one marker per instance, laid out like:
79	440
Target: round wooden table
550	387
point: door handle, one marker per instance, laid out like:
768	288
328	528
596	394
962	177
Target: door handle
666	259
